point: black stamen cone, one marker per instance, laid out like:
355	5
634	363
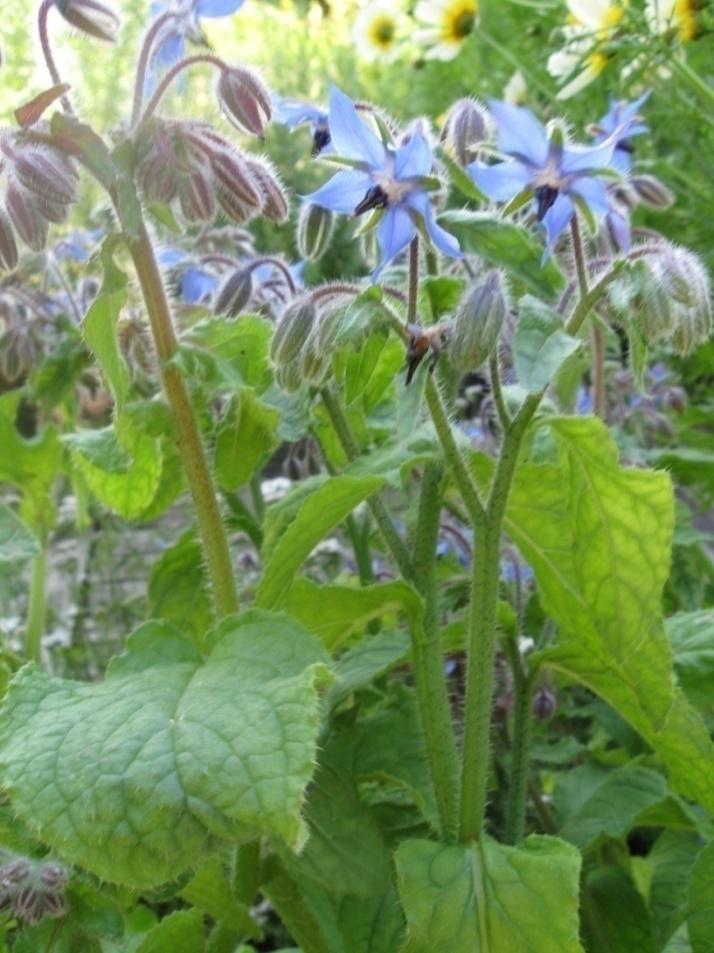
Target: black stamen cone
545	196
376	197
320	141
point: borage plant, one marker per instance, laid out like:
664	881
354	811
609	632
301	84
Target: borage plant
352	761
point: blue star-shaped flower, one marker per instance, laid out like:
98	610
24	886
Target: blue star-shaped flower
384	178
622	116
293	113
172	45
557	174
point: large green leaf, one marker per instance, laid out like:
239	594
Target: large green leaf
210	890
133	777
178	587
100	324
540	346
227	352
179	932
320	512
700	913
246	435
505	243
17	542
692	638
490	898
671	860
615	918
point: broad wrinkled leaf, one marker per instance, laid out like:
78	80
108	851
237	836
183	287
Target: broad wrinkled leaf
17	542
178	587
490	898
228	352
503	243
179	932
692	638
320	512
541	345
592	801
395	460
100	324
700	913
671	860
334	613
245	437
133	778
370	658
617	920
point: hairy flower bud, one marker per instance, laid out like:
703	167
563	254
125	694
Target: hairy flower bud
46	174
244	100
28	905
25	213
90	17
275	202
8	245
235	293
15	871
315	359
53	875
314	230
466	128
292	330
237	191
196	195
651	191
17	355
478	322
544	703
685	279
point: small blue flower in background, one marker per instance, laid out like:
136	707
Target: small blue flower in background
556	173
623	120
197	285
172	45
292	113
381	178
79	245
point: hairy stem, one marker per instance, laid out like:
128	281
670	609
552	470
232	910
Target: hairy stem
520	750
501	409
413	293
392	539
598	337
143	64
171	75
188	435
37	609
429	660
581	267
482	630
46	48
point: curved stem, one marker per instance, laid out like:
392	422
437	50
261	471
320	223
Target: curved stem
36	610
42	16
579	254
188	435
428	658
143	63
173	73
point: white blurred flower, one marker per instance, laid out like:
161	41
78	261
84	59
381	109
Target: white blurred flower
380	29
447	24
592	23
515	89
665	16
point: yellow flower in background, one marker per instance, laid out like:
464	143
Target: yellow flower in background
447	24
592	23
664	16
380	30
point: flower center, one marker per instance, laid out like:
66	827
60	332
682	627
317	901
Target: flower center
375	197
460	21
320	140
382	31
685	17
545	196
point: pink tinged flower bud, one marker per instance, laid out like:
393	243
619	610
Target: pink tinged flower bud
15	871
544	704
292	330
478	323
8	245
467	128
53	904
314	230
24	211
53	875
47	175
90	17
28	905
275	202
651	192
196	196
234	183
235	293
244	100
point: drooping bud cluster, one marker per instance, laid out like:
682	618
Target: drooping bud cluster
235	293
314	230
18	354
90	17
544	703
244	100
33	889
478	322
38	185
190	162
466	129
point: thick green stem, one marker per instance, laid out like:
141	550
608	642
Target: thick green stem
429	660
392	539
36	610
188	435
462	476
520	750
482	630
501	409
360	545
598	336
413	281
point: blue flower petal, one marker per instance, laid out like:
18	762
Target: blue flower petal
619	228
590	159
292	113
557	218
217	8
197	285
592	192
440	238
169	51
413	159
503	181
350	137
343	192
519	133
395	231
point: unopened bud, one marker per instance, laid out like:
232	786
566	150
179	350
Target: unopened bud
289	376
28	905
315	359
686	281
8	245
196	196
651	192
478	323
24	211
275	202
314	230
53	904
53	875
544	703
466	128
47	174
675	399
17	355
15	871
237	192
244	100
90	17
292	330
235	293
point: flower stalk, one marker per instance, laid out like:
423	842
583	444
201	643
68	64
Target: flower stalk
37	608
